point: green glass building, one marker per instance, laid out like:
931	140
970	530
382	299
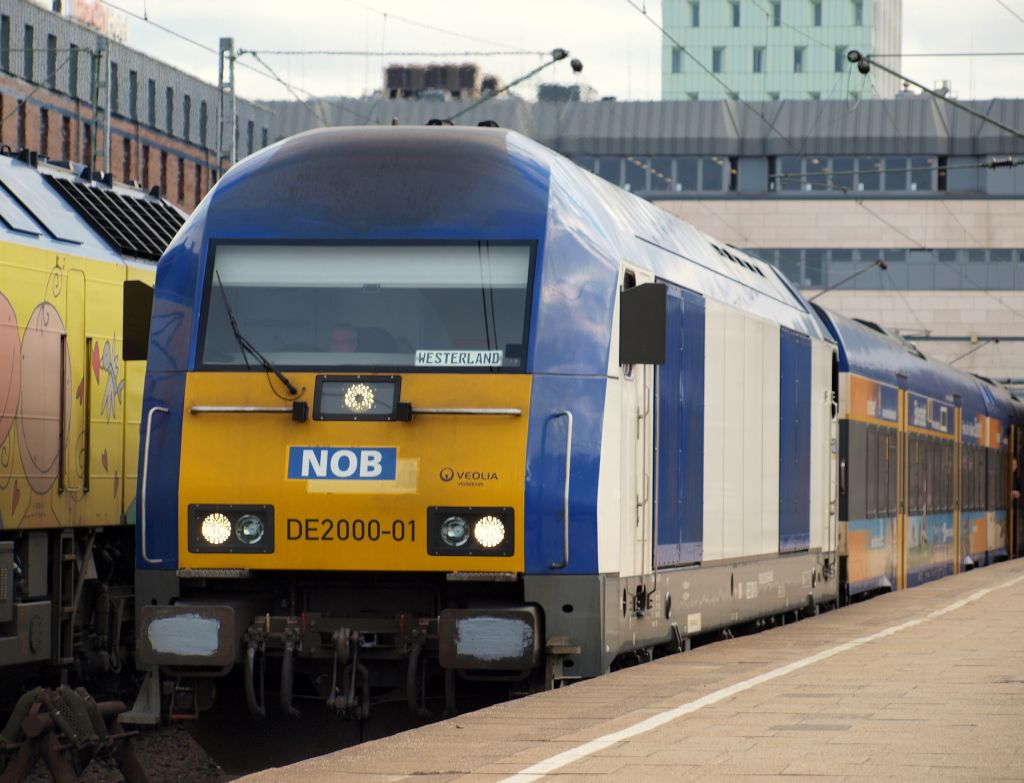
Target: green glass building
763	50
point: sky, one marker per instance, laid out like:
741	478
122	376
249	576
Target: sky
619	47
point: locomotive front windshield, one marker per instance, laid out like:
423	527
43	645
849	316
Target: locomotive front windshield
432	306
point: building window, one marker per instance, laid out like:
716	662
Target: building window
126	159
186	117
816	7
250	136
858	13
5	42
693	96
73	71
776	14
28	61
716	58
735	13
65	138
181	180
151	102
197	194
114	90
798	58
203	120
133	95
733	96
264	137
773	96
814	96
840	59
51	62
145	166
163	173
169	110
677	60
21	125
694	14
44	132
759	59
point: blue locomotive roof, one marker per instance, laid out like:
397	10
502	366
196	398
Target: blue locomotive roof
480	184
866	351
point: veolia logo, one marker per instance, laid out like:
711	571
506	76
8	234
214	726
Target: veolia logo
346	464
447	474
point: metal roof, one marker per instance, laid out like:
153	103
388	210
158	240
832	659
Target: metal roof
919	125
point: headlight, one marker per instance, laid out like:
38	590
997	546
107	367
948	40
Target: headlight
359	398
249	529
216	529
225	528
455	531
469	531
489	532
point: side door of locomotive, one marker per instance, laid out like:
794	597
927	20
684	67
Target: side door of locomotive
636	429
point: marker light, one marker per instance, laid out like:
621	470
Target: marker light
215	529
249	529
489	532
455	531
359	398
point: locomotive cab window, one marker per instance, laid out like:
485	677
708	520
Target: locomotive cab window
450	307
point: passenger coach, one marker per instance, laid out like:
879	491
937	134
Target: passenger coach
433	404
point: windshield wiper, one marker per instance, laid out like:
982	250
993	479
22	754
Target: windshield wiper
248	347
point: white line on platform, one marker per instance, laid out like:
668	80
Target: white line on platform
536	771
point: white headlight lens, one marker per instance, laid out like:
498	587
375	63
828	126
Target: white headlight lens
455	531
215	529
249	529
489	532
359	398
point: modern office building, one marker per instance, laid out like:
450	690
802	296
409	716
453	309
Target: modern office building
823	190
758	50
60	80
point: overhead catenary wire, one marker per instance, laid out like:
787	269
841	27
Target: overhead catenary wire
425	26
378	53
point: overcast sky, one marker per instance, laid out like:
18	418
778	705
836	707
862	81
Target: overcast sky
620	49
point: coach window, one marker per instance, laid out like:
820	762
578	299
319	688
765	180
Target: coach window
914	482
433	307
872	477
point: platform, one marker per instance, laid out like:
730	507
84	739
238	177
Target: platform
925	684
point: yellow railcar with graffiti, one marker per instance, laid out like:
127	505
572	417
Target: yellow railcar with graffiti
77	262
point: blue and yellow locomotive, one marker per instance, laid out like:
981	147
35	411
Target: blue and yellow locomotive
432	404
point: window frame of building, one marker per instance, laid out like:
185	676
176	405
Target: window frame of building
677	60
817	14
798	58
50	77
734	12
759	58
694	13
169	110
28	64
5	42
133	95
840	58
151	101
73	51
113	90
858	13
777	14
717	58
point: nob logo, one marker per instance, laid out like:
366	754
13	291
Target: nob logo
447	474
310	462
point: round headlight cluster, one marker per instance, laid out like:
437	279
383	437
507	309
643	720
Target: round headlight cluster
455	531
359	398
489	532
215	529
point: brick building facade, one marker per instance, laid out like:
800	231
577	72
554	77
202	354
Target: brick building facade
163	122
